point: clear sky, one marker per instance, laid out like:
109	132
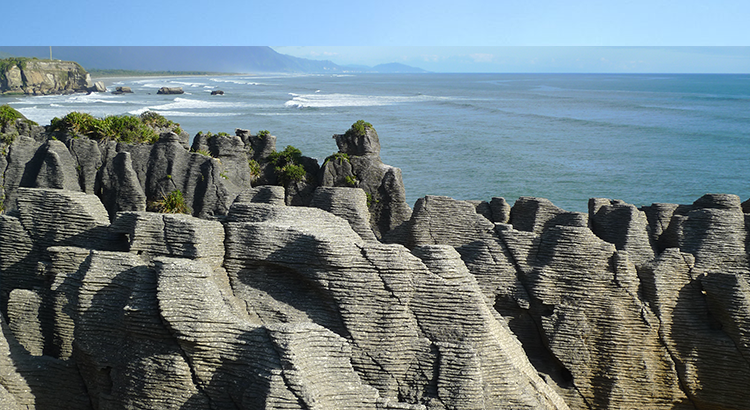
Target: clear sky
438	35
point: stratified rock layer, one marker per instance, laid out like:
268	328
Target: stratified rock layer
472	305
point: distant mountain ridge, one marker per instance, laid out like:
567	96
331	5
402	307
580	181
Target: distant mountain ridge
235	59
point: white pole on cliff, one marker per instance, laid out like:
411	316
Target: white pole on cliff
50	52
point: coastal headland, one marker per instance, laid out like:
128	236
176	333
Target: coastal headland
138	271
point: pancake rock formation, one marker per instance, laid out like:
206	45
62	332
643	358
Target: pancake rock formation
280	293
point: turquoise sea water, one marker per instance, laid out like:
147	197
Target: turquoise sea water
565	137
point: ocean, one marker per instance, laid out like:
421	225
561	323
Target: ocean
565	137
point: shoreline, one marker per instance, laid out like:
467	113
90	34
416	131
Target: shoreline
157	74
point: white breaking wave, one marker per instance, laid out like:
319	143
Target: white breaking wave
191	104
318	100
239	82
188	113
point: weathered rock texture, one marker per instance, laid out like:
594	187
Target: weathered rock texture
264	305
41	77
210	174
358	164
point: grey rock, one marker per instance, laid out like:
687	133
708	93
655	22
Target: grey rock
347	203
577	284
176	235
269	245
262	145
24	319
358	144
122	348
37	382
217	92
55	217
88	158
624	226
21	170
535	214
58	168
98	87
122	90
382	183
170	90
275	306
119	187
692	331
264	194
500	210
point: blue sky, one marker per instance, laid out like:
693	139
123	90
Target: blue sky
438	35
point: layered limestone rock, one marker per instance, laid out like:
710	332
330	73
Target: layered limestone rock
42	77
300	312
210	176
462	305
358	164
620	309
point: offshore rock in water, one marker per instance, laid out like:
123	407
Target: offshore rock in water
170	90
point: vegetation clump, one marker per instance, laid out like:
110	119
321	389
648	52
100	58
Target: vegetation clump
7	63
254	168
340	156
263	133
351	180
156	120
358	128
121	128
371	200
201	151
287	164
8	116
174	203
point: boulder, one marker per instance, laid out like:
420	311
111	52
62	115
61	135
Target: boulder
98	87
122	90
170	90
217	92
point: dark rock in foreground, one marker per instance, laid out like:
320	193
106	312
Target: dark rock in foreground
473	305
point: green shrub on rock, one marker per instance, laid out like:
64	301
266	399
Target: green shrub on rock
340	156
292	173
174	203
120	128
358	128
290	155
8	117
254	168
9	114
287	164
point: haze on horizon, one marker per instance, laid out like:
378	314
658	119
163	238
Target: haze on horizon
439	35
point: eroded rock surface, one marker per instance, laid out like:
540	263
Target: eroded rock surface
349	303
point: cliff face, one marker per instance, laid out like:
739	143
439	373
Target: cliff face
41	77
478	305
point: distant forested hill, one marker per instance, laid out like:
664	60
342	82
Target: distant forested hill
242	59
144	58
